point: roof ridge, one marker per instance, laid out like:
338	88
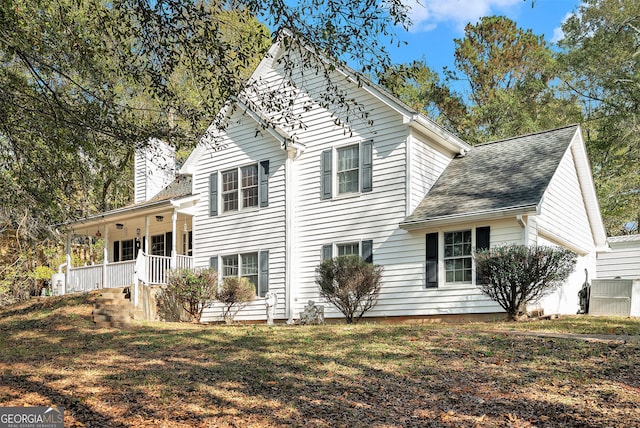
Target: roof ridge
527	135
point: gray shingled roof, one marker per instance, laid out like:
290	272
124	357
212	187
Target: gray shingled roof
180	186
498	176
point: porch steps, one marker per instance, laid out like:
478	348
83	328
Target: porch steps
113	307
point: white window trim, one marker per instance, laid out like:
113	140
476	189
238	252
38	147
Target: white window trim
442	272
334	173
351	241
241	208
470	256
221	275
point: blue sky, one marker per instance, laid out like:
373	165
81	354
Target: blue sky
437	22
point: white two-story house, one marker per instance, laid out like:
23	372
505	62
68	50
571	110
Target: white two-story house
270	203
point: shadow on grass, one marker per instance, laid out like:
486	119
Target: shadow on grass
185	375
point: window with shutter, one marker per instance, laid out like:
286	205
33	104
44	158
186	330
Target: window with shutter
353	170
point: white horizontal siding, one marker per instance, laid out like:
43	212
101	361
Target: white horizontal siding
564	300
622	261
154	169
402	254
426	165
563	211
245	231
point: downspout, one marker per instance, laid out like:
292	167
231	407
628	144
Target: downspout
525	226
290	218
289	299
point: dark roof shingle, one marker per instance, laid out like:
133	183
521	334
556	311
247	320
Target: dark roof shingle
496	176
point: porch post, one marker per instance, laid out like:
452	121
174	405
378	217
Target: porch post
105	257
174	221
146	235
67	275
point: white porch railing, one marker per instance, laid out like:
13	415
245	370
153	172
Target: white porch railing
152	270
84	278
184	262
156	269
120	274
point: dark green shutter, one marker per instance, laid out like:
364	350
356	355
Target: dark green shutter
367	251
263	172
432	260
213	263
213	194
367	166
116	251
263	278
327	252
482	243
326	178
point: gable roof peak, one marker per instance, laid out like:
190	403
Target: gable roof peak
532	134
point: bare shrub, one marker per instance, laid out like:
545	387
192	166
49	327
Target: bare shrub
234	293
193	290
514	275
351	284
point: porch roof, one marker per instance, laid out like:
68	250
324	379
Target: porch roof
175	195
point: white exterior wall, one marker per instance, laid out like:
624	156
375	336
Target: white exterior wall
404	258
425	164
563	215
244	231
563	221
564	300
623	260
374	215
154	169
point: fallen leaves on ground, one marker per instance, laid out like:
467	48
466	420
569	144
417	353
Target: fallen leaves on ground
175	375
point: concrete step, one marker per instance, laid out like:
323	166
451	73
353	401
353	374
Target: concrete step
112	308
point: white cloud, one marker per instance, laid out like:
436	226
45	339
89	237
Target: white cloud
558	34
427	14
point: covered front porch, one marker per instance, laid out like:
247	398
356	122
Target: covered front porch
136	243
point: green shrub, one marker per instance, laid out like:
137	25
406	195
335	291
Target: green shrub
515	275
193	290
351	284
234	293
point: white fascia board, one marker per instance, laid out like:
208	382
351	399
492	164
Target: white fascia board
470	217
185	203
412	118
550	236
277	132
119	214
588	189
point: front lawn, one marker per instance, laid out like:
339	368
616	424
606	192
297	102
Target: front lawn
183	375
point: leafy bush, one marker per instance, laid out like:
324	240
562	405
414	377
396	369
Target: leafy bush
234	293
351	284
514	275
193	290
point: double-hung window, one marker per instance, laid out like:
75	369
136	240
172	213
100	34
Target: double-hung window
253	266
127	250
240	188
449	256
347	169
363	249
457	256
348	249
158	245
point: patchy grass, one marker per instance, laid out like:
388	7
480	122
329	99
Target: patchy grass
183	375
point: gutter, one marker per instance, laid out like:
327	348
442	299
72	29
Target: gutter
466	217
